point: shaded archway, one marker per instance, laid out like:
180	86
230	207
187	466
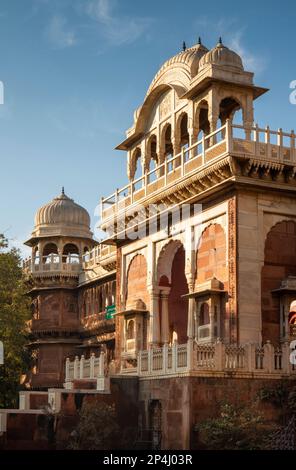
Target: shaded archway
279	263
70	253
171	278
50	253
227	108
211	256
137	282
178	306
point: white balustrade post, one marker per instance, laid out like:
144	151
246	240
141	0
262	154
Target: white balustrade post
228	136
102	364
149	360
154	323
219	356
174	357
203	148
76	367
250	349
67	370
256	139
92	365
190	354
165	358
268	359
81	367
267	141
285	357
280	137
165	327
182	160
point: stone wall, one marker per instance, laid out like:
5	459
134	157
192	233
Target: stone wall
187	401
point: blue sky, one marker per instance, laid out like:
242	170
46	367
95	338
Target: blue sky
75	70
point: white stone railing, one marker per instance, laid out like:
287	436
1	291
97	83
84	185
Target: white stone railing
217	357
53	263
87	369
265	144
100	254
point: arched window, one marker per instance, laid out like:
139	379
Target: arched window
50	253
204	315
130	330
184	136
228	107
168	147
70	253
135	169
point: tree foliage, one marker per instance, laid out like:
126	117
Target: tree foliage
235	429
14	314
97	427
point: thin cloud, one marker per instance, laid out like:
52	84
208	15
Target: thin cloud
59	35
251	61
116	30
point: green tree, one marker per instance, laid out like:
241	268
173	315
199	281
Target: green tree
14	314
236	428
97	427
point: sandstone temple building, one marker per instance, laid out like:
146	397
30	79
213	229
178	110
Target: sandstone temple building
191	296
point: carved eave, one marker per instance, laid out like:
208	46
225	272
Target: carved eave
132	312
198	87
39	283
228	170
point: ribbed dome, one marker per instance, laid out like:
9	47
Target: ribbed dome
64	216
221	55
190	57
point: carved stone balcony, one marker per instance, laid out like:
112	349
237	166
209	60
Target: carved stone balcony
69	265
226	155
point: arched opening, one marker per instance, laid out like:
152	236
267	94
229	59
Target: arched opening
35	255
211	256
50	253
135	167
130	330
279	263
70	253
184	135
227	108
230	108
203	119
168	146
137	281
204	314
178	305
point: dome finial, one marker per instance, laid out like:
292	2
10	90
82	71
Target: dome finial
63	191
184	46
220	40
199	40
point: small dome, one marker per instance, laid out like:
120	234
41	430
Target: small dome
62	216
221	55
189	57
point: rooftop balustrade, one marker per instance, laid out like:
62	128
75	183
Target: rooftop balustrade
260	143
70	264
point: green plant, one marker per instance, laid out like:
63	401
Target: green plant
97	427
236	428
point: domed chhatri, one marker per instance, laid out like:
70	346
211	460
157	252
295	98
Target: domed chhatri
62	216
189	57
222	56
